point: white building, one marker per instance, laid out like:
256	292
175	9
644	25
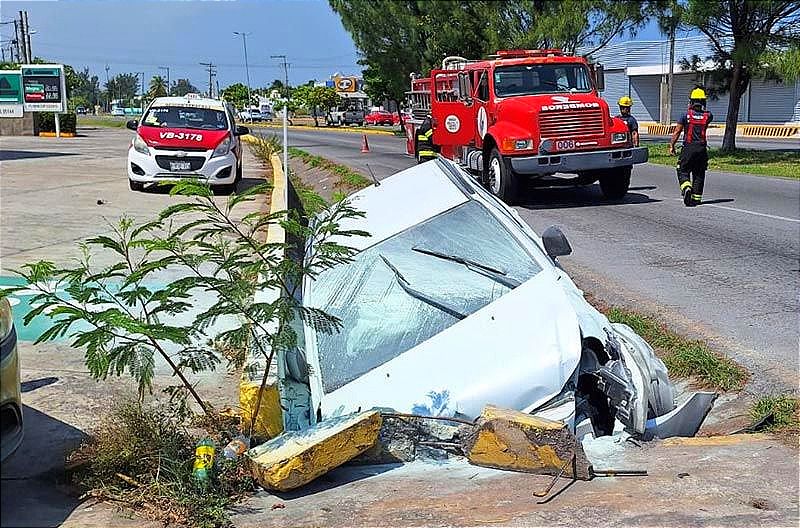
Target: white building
639	68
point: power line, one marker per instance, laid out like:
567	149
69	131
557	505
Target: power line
212	71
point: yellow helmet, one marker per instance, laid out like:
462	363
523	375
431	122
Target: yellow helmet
697	93
625	101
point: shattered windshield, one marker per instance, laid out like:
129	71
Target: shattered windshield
408	288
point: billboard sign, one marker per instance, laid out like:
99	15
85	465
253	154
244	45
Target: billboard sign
346	84
10	93
44	88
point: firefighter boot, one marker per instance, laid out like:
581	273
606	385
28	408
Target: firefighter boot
686	190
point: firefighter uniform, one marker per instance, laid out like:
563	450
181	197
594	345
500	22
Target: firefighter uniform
625	104
694	156
426	150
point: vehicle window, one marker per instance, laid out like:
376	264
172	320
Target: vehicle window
381	319
185	117
482	84
530	79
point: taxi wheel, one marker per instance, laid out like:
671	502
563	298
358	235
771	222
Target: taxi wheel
135	186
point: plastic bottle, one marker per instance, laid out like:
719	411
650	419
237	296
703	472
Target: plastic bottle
203	460
236	447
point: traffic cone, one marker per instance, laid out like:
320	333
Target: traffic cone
364	144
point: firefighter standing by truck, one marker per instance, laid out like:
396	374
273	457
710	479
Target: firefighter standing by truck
426	150
625	104
694	156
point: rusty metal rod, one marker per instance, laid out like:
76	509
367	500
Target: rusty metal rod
444	418
619	472
555	479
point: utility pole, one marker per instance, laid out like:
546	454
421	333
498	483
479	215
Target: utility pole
285	113
141	98
211	72
28	37
168	85
108	91
22	54
246	71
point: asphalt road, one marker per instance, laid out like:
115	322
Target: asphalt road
726	271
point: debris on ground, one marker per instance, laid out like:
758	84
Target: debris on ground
513	440
295	458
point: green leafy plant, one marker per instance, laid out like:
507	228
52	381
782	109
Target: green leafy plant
125	315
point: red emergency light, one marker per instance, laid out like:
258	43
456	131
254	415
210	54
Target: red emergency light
519	53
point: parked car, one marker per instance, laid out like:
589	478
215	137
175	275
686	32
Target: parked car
453	302
379	117
81	110
186	137
346	115
117	112
10	396
250	115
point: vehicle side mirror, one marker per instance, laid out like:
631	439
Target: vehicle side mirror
241	130
599	77
133	124
464	88
555	242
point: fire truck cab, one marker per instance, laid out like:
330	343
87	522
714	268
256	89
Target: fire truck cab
525	115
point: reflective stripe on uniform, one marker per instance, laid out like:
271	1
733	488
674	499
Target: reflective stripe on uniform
685	185
422	138
697	196
427	154
429	133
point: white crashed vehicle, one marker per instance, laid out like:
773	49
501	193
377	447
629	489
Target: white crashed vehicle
454	302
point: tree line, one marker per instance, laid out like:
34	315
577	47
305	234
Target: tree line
750	38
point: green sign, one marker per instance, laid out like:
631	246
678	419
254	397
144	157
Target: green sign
47	72
10	87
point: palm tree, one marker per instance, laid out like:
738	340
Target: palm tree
158	87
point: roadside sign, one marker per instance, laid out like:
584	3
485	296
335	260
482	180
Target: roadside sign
10	93
44	88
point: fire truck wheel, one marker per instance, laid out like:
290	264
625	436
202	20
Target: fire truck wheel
500	180
615	183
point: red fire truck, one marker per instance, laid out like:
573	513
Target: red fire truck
525	115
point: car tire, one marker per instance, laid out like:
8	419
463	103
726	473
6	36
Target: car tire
135	186
500	179
615	183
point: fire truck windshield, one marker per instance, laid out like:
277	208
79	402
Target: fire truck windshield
532	79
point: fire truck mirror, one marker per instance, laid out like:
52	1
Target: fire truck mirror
599	77
464	88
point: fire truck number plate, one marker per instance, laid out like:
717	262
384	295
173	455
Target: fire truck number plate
565	144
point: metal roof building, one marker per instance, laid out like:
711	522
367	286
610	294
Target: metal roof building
637	68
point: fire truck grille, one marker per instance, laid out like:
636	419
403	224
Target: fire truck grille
571	123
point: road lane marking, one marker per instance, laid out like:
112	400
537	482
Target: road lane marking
775	217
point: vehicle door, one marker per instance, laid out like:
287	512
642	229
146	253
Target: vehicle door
480	97
452	108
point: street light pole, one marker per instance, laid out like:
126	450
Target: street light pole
285	113
168	85
246	71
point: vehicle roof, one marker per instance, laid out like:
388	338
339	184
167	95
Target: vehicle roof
192	102
383	218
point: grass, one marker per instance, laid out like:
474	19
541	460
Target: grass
784	412
142	456
347	181
101	121
684	357
759	162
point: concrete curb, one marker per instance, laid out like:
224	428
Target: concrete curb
269	416
327	129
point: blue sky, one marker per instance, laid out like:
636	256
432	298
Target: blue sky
136	36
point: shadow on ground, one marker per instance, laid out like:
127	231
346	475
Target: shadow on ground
568	197
14	155
32	487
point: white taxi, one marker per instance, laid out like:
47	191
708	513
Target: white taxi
186	137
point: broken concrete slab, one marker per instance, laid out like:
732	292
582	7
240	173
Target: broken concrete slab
296	458
513	440
269	416
405	439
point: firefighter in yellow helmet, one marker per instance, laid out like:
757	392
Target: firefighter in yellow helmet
625	104
694	156
426	150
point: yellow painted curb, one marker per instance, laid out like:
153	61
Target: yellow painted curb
298	457
710	441
269	416
53	134
327	129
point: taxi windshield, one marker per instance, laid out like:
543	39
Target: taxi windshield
185	117
531	79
